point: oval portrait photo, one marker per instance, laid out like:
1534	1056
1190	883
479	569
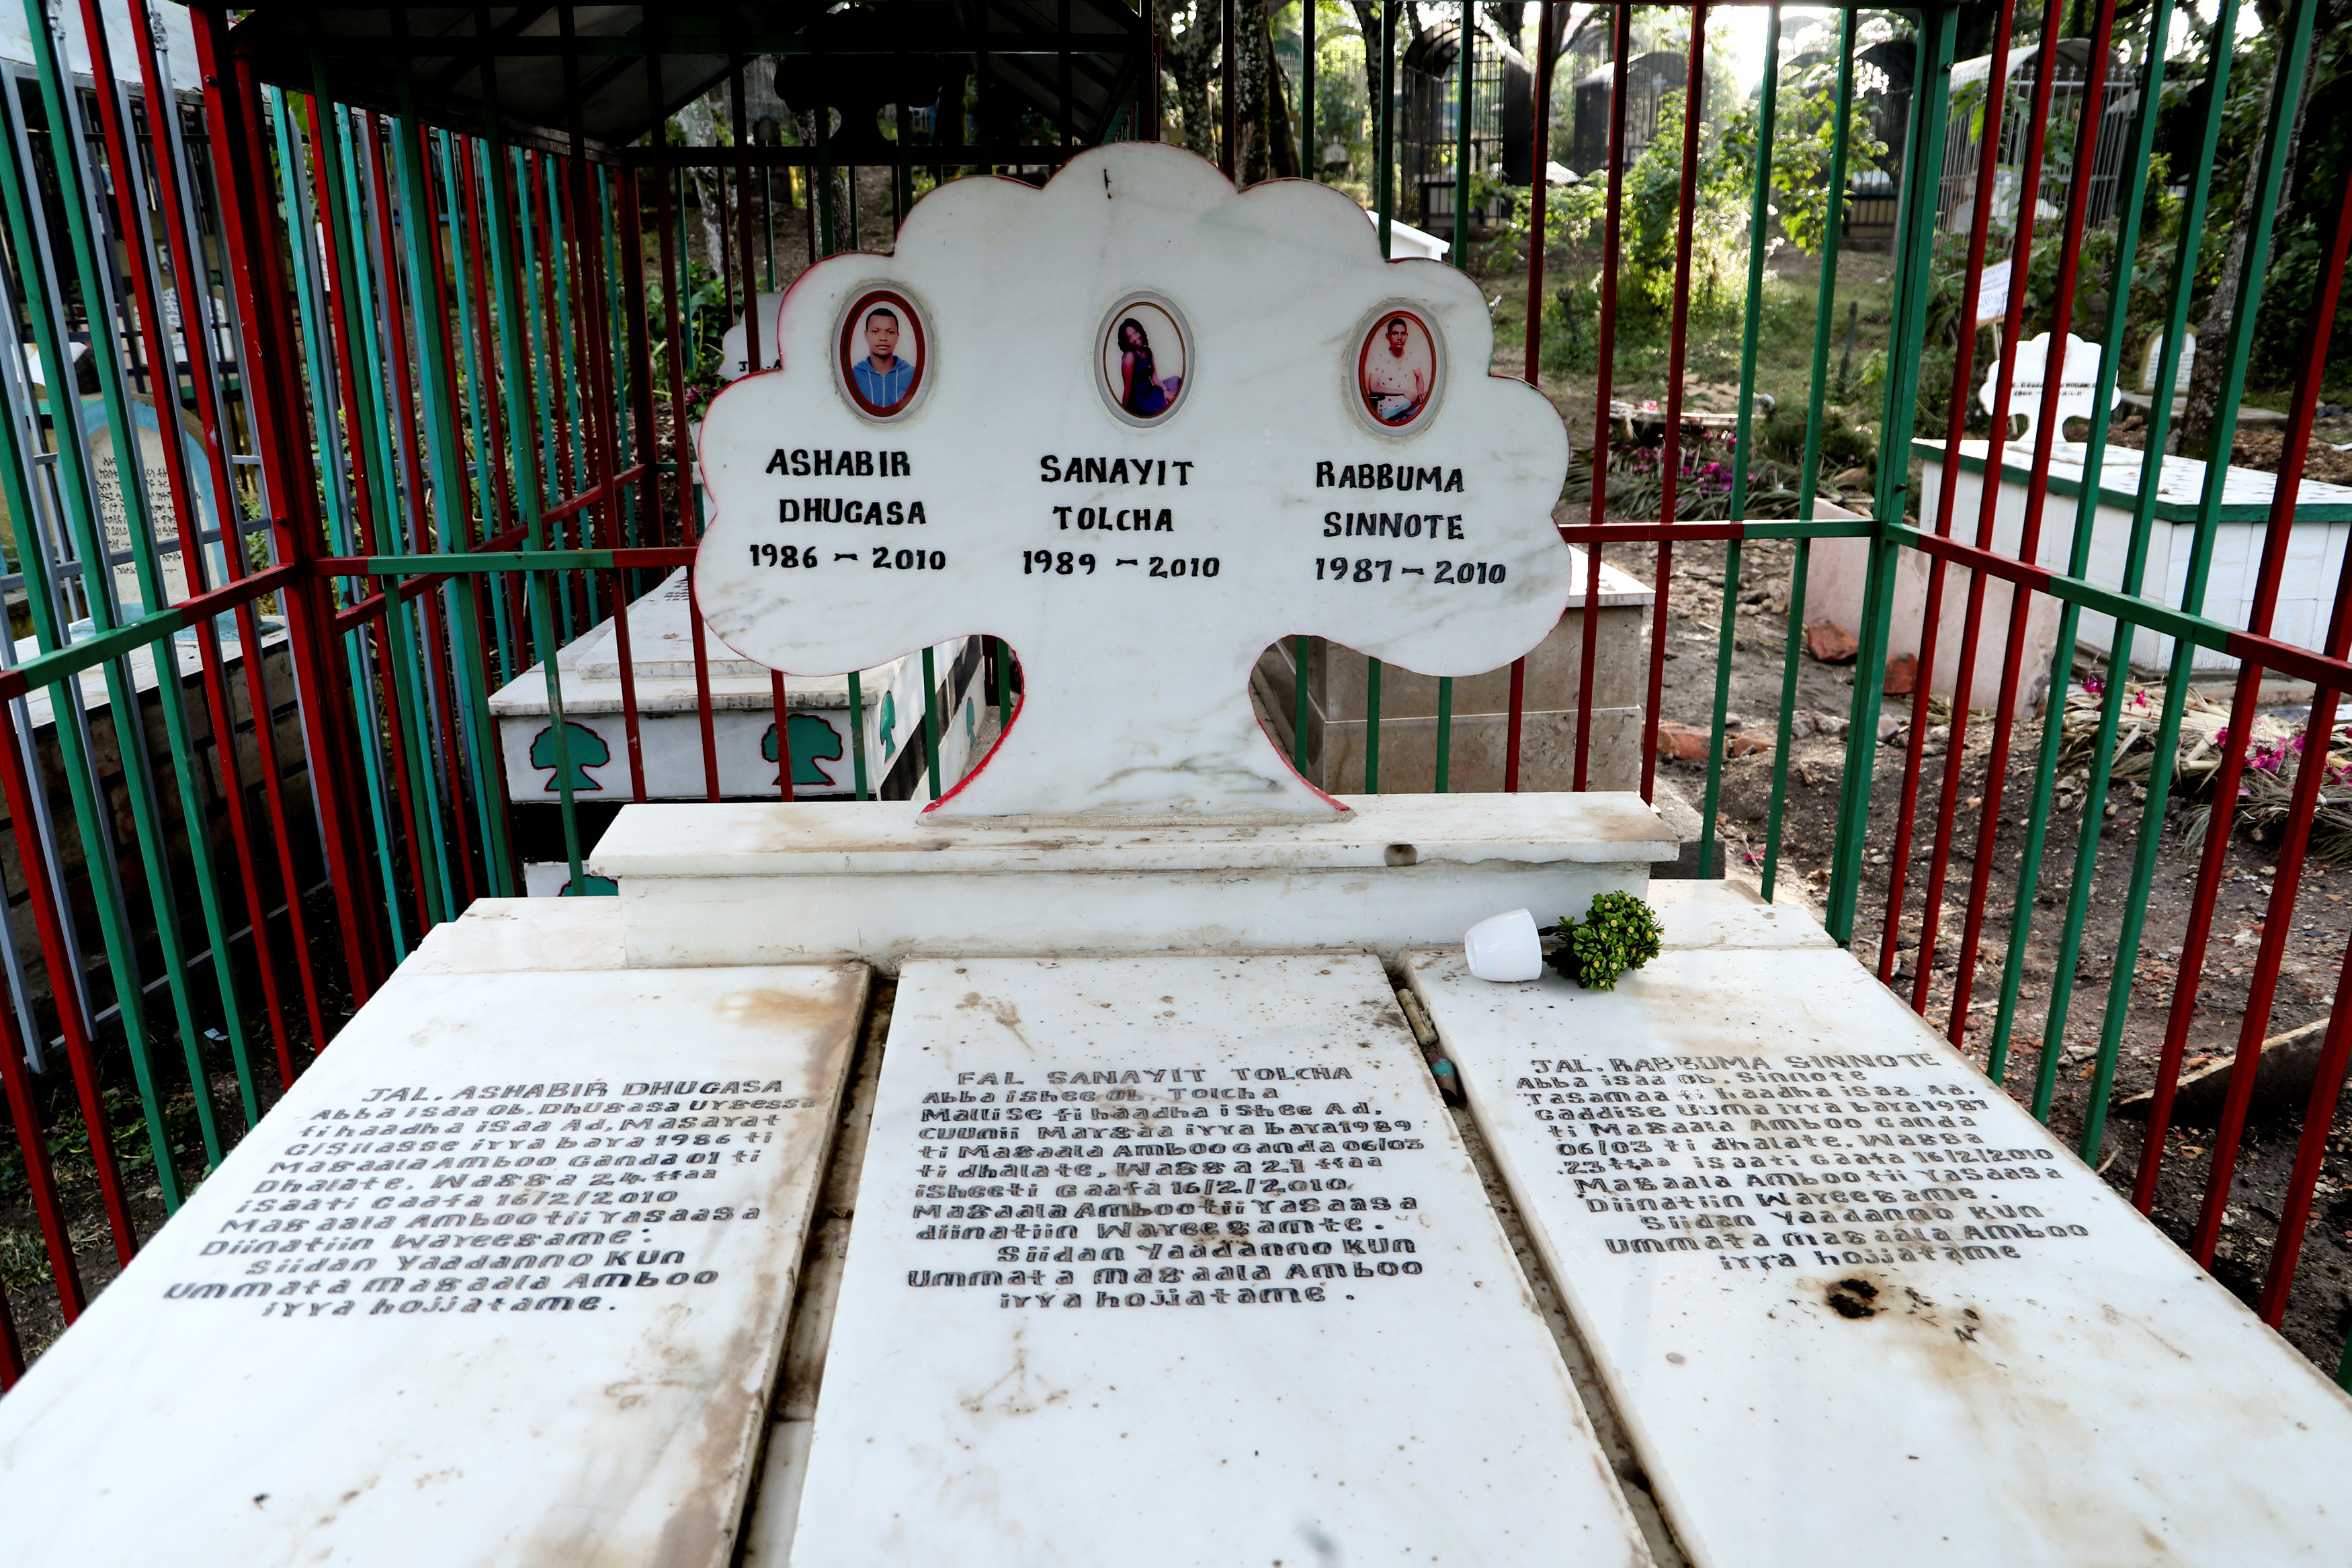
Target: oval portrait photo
883	354
1146	359
1396	370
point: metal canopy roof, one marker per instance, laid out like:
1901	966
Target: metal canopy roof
610	73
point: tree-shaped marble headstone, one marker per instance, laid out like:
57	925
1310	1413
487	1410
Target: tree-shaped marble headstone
1140	426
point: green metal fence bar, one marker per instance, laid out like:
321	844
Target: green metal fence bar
1301	656
51	633
1465	60
620	368
2136	164
83	232
304	221
1915	258
931	723
857	732
445	456
1384	199
360	308
533	326
685	358
503	225
569	337
482	396
2278	136
1809	463
1727	638
163	228
410	658
2125	631
425	717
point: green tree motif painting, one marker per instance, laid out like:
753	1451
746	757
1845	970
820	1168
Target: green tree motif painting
813	741
888	721
587	750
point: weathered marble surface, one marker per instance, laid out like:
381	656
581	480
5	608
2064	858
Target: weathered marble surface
1136	658
339	1351
772	883
497	935
1853	1305
1058	1345
1705	912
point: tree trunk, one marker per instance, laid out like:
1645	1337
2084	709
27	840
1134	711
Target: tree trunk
1268	148
2196	438
1368	19
1194	60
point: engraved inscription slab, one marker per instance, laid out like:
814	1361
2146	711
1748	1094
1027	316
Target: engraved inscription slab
503	1278
1855	1304
1141	425
1181	1259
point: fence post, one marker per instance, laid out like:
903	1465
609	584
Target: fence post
1916	238
232	104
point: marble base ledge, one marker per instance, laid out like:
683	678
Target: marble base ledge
1180	1261
471	1293
497	936
784	882
1853	1305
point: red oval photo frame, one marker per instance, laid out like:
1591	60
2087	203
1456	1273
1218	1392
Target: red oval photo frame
847	350
1371	338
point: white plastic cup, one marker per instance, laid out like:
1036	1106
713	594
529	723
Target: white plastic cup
1505	947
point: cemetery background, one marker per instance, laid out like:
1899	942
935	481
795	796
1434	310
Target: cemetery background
383	865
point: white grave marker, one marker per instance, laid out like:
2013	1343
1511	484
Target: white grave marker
1854	1304
1180	1261
2078	388
2152	360
1140	426
735	345
503	1278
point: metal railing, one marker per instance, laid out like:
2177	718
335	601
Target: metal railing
450	406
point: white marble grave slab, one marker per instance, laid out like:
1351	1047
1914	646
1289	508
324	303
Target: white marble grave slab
436	1308
778	881
1853	1305
1026	479
1127	1306
1696	912
498	935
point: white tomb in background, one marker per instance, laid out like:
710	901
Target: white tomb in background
1146	1234
2323	522
742	704
2315	558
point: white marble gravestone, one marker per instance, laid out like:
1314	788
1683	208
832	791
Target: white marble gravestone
1141	425
1853	1304
1179	1260
502	1280
2078	385
2323	522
